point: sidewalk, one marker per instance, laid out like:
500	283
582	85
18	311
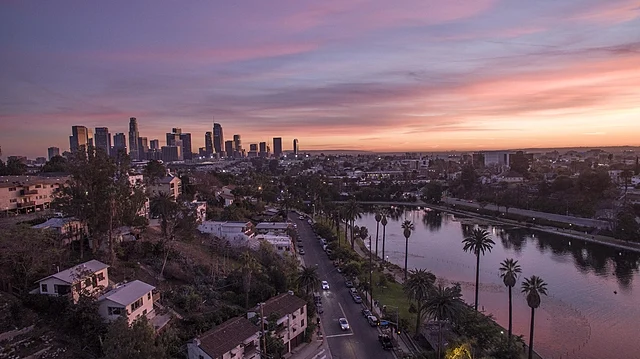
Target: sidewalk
318	348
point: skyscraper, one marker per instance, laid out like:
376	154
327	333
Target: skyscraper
103	139
79	137
218	139
119	144
53	151
208	143
143	147
90	137
277	146
154	144
133	139
186	146
262	152
237	146
228	148
295	146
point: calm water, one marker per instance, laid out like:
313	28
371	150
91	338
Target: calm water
582	317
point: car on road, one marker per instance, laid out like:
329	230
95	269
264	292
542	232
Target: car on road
357	299
325	285
301	251
353	291
349	284
301	217
339	270
299	240
344	324
366	312
373	321
385	341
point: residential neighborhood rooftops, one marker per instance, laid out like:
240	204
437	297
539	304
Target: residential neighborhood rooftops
227	336
70	275
53	223
282	304
272	225
127	293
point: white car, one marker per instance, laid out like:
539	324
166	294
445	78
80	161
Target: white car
325	285
344	325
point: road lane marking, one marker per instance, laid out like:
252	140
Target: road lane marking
339	335
319	353
342	310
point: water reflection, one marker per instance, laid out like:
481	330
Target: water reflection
432	220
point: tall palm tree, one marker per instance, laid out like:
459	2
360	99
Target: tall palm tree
378	218
444	304
478	242
308	279
163	206
407	227
384	222
353	212
249	266
533	287
418	288
509	271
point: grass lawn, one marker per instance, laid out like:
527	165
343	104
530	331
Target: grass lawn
393	296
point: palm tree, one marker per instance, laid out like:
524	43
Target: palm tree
165	207
509	271
249	266
378	219
418	287
353	212
407	227
533	287
444	304
478	242
308	279
384	222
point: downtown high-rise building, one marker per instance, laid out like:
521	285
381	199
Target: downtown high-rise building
277	146
208	143
119	144
295	146
134	151
102	139
219	143
143	147
79	138
53	151
237	146
228	148
154	144
262	149
187	151
173	136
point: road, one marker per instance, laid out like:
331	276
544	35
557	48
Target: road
362	340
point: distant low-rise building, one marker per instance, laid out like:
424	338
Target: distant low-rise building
236	233
277	228
169	184
22	194
281	244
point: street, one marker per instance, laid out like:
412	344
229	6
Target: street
361	341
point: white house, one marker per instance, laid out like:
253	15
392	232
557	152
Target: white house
282	244
236	338
90	277
133	299
236	233
227	195
277	228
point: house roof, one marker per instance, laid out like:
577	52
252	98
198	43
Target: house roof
127	293
272	225
70	275
227	336
53	223
282	304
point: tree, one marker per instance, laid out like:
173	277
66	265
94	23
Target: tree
136	341
627	228
56	164
378	218
353	212
509	271
384	222
154	171
163	206
478	242
444	304
432	192
407	228
533	287
418	287
307	279
249	266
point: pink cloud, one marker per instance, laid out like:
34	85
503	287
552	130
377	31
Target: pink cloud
611	12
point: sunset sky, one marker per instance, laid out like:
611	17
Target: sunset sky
382	75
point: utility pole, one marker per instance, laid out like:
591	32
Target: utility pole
370	277
264	337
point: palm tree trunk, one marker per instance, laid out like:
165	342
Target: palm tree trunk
406	255
477	278
384	234
377	230
418	315
439	338
353	223
346	230
531	334
510	316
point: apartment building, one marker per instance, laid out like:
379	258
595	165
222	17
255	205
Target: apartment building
24	194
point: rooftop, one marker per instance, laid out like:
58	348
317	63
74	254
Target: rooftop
282	304
18	181
127	293
227	336
54	223
272	225
72	274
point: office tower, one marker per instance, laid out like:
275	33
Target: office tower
228	148
103	139
295	146
237	144
187	152
253	150
173	136
79	138
154	144
208	143
218	139
53	151
143	147
277	146
262	151
171	153
90	137
119	144
133	139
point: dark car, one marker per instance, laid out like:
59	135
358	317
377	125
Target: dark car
349	284
386	342
366	312
357	299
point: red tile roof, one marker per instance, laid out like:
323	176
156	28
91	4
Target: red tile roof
227	336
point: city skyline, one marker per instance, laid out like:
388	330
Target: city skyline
362	75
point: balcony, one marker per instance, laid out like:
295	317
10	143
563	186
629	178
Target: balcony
26	204
27	192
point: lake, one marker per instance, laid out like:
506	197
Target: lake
593	307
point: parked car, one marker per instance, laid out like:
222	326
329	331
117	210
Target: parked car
301	251
366	312
349	284
301	217
357	299
325	285
353	291
344	324
385	341
373	321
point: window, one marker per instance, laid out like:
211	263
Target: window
115	311
149	296
13	200
302	310
302	323
43	288
38	186
12	189
200	357
137	304
144	312
78	287
100	276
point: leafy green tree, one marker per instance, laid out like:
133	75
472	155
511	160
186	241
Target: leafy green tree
154	171
418	287
136	341
13	167
432	192
478	243
626	225
407	228
509	271
445	304
308	279
249	266
533	287
83	321
56	164
353	212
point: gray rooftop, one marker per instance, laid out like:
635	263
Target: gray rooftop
272	225
127	293
71	275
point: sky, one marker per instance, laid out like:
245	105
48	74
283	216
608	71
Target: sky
424	75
